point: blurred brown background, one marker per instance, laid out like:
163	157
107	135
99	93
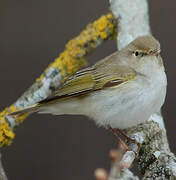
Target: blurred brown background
32	34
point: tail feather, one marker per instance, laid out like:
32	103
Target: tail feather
29	109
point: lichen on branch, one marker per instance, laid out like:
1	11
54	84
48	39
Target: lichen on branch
65	65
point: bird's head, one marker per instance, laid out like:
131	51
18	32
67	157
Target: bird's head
143	53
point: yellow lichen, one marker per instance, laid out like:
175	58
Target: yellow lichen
40	78
19	118
73	57
6	134
67	64
104	26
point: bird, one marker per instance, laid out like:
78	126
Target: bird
119	91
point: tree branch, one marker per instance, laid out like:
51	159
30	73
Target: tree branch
155	160
68	62
2	172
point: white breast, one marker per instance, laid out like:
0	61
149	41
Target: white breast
129	104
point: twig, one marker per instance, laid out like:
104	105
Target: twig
119	169
2	172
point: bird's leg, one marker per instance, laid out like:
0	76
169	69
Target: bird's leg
128	138
122	143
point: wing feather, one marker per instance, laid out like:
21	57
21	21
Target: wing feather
107	73
89	80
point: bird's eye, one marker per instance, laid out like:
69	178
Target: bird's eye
136	53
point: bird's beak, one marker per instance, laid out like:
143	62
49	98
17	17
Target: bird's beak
155	52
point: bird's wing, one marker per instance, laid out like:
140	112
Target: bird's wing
104	74
91	79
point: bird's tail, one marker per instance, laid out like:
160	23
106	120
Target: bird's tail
29	109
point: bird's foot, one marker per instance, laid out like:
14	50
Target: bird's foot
129	140
126	146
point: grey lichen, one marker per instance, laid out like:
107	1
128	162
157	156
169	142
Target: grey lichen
155	161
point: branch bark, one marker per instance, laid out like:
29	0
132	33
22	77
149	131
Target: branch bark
155	160
2	172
